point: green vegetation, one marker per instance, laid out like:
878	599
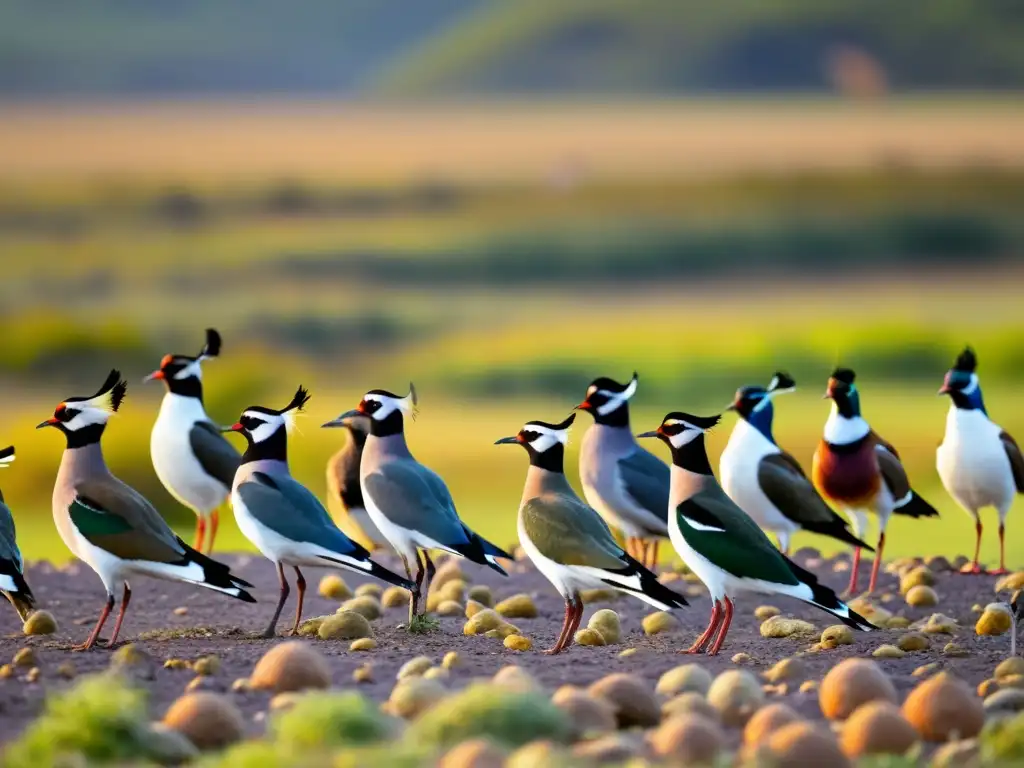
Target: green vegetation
424	624
320	721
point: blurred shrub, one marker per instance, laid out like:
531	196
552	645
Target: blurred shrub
1002	741
321	720
315	335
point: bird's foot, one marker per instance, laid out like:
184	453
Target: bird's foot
973	569
86	646
268	634
551	651
998	572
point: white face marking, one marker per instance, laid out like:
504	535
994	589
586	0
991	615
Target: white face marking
192	369
840	430
547	438
86	417
763	402
700	526
971	388
615	399
389	405
6	460
269	424
689	433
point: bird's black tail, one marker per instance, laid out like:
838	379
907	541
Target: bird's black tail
837	529
637	579
480	550
217	576
915	506
824	598
16	588
382	573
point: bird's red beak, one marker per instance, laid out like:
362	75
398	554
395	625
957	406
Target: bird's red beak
155	376
237	427
584	406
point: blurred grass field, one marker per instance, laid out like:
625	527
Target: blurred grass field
502	259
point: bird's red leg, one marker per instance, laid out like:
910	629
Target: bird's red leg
107	608
852	588
125	599
200	534
300	582
975	567
654	560
214	523
559	643
877	563
577	617
701	641
1002	552
726	621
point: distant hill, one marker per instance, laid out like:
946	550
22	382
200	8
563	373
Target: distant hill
687	46
424	48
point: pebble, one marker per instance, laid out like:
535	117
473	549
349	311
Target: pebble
837	634
659	622
888	652
922	597
913	641
777	626
955	651
518	643
742	658
927	669
451	660
39	623
588	636
415	667
181	610
363	644
26	657
765	612
519	606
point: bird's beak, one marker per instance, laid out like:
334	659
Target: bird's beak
584	406
342	421
732	407
655	433
154	376
944	390
513	440
51	422
236	427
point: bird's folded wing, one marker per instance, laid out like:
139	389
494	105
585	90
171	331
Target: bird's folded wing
569	532
112	522
288	508
721	532
647	480
894	475
1016	459
883	443
216	455
8	536
788	488
408	494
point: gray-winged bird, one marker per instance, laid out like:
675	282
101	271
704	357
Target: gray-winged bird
12	568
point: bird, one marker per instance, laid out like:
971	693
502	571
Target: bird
408	502
111	526
766	481
285	521
979	463
721	544
858	471
568	540
12	567
344	494
624	482
192	459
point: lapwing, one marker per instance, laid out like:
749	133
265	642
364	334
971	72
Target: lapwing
408	502
859	472
111	526
625	483
12	568
979	463
721	544
344	494
567	540
766	481
285	521
192	459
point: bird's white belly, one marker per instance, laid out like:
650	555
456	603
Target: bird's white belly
714	578
180	471
976	472
404	541
272	545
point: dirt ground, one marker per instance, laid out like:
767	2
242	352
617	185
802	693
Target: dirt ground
74	595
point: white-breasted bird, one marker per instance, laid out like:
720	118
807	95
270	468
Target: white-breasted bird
282	517
12	568
567	540
624	482
721	544
979	463
858	471
111	526
344	493
766	481
407	501
192	459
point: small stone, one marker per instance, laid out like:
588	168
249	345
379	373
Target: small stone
208	720
25	657
987	687
888	652
913	641
437	673
517	607
413	696
474	753
836	635
451	660
588	636
976	608
955	651
938	564
765	612
691	701
994	620
177	664
347	625
33	675
1008	701
363	675
741	658
873	613
938	624
634	703
309	627
614	748
851	683
333	587
688	739
1011	582
371	589
284	701
588	715
766	721
927	669
395	597
415	667
897	622
66	670
241	685
449	608
777	626
920	576
808	686
6	671
515	679
39	623
659	622
181	610
363	644
627	653
202	683
736	694
473	608
792	669
606	621
448	571
481	593
291	666
943	708
206	665
683	679
365	605
481	622
922	597
591	596
518	643
1011	666
1012	681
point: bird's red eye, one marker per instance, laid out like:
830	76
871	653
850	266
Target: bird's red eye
166	361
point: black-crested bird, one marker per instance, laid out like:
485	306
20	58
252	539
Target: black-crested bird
192	459
567	540
721	544
859	472
979	463
766	481
109	525
285	521
407	501
12	568
344	492
626	484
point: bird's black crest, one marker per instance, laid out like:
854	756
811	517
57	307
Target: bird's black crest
6	452
114	386
783	380
559	427
610	385
298	402
383	393
212	346
845	375
750	392
701	422
967	361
